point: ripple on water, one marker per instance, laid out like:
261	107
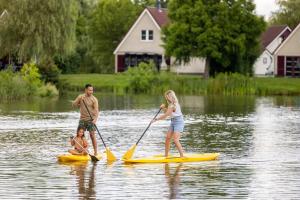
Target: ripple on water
259	156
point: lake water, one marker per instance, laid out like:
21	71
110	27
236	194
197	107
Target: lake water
258	139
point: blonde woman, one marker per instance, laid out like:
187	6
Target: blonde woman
177	124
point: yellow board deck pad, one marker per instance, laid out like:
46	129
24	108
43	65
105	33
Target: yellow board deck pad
74	158
170	159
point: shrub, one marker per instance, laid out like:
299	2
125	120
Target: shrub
142	77
24	84
48	90
30	74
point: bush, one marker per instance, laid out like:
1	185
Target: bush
30	74
49	71
24	84
142	77
48	90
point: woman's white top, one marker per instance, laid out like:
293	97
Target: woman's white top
176	110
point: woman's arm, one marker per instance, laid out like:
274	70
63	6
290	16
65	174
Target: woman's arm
164	116
72	141
85	144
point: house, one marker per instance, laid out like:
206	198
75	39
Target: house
271	39
143	43
287	55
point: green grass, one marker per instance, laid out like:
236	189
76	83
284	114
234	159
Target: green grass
233	84
103	82
277	86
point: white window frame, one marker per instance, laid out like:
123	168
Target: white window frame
147	35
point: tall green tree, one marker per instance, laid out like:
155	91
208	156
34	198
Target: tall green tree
110	21
288	13
80	60
225	32
38	28
145	3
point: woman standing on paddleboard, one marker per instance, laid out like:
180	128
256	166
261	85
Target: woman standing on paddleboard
177	124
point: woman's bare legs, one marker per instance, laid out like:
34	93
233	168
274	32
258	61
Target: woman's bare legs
176	137
167	143
75	152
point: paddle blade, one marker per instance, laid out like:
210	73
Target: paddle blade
128	155
94	158
110	156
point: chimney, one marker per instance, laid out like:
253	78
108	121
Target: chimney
158	5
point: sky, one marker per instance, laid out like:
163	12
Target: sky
265	7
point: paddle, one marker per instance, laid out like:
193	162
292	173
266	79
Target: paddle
110	156
93	158
130	152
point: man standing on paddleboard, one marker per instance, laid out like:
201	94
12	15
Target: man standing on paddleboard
85	121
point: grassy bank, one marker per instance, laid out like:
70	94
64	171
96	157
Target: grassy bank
233	84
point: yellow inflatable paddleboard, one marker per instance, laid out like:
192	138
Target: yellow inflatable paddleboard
75	158
175	159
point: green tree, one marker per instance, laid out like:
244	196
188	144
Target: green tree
288	13
38	29
109	22
80	60
145	3
226	33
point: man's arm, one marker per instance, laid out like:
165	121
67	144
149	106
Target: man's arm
76	102
96	108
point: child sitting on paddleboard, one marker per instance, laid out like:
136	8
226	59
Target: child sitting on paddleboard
177	124
80	143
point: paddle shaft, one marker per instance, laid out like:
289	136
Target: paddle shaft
94	124
148	127
80	145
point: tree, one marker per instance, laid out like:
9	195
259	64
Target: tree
288	13
38	28
80	60
226	33
110	21
145	3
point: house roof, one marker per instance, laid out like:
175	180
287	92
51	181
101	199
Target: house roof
271	33
288	38
159	15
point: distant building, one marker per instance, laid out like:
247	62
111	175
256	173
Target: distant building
287	55
143	43
271	39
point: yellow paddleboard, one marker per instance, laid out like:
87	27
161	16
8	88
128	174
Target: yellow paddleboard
175	159
75	158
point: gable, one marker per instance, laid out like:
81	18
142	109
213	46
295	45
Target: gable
291	46
132	41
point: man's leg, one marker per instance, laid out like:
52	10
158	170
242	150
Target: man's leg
94	141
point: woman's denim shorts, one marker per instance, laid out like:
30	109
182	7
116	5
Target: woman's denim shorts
177	124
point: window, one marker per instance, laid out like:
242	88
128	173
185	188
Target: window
147	35
265	60
144	35
150	34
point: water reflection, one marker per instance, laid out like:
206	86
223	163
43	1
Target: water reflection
173	180
85	179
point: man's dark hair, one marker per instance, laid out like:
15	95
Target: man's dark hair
88	85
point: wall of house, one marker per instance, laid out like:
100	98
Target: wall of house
195	66
134	44
264	65
290	48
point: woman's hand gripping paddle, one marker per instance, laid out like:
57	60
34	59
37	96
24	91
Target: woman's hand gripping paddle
128	155
110	156
93	158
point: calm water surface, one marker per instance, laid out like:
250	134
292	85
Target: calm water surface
258	138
